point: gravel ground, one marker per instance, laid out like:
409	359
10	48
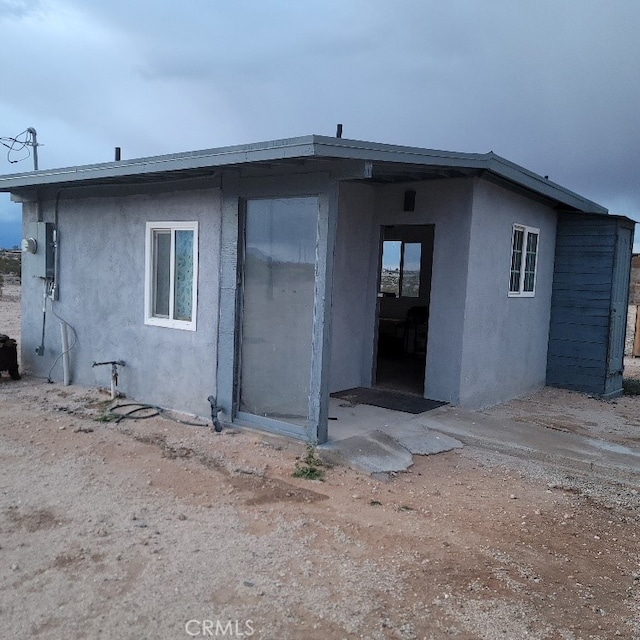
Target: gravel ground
154	529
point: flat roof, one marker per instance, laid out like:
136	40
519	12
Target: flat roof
389	163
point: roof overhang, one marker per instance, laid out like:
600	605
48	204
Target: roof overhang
381	163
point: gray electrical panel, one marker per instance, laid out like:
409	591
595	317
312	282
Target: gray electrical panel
39	247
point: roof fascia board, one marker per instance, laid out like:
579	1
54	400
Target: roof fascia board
209	158
378	152
301	147
338	147
534	182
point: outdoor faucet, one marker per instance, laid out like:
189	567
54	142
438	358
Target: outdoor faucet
114	373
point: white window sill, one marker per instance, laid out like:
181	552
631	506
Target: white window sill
171	324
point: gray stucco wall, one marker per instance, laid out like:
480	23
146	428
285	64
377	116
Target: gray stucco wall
483	346
447	205
354	290
505	338
101	295
363	210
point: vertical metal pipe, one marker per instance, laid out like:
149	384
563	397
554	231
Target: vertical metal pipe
56	247
65	352
34	144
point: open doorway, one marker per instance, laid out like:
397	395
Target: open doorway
403	307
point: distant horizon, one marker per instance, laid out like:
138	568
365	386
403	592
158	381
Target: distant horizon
9	237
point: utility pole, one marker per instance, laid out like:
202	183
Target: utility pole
17	144
34	144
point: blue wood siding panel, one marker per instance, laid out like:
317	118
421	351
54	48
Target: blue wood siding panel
587	270
619	306
568	348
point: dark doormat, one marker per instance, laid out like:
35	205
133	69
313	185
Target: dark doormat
388	399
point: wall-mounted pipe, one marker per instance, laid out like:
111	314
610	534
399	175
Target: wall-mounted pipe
65	352
215	414
40	349
56	247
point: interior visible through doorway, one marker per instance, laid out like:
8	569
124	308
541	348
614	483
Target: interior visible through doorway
403	307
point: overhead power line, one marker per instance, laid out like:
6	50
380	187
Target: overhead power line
24	144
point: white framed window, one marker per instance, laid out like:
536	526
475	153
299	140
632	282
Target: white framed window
171	274
524	261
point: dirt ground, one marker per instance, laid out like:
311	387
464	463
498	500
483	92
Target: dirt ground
154	529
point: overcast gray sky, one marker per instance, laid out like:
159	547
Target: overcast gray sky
553	85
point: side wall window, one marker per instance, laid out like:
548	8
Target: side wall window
524	261
171	277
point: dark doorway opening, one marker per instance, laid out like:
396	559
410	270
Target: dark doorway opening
403	307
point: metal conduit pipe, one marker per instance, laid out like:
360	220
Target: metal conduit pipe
215	412
65	352
56	247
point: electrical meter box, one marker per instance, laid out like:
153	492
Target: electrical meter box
39	247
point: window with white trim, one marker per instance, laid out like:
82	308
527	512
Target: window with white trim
524	261
171	274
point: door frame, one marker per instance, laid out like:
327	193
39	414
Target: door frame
273	424
426	237
235	191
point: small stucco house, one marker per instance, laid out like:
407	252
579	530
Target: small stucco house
271	275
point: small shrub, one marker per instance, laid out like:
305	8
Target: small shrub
310	466
108	417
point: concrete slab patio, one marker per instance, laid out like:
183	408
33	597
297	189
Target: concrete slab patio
379	452
379	440
533	441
